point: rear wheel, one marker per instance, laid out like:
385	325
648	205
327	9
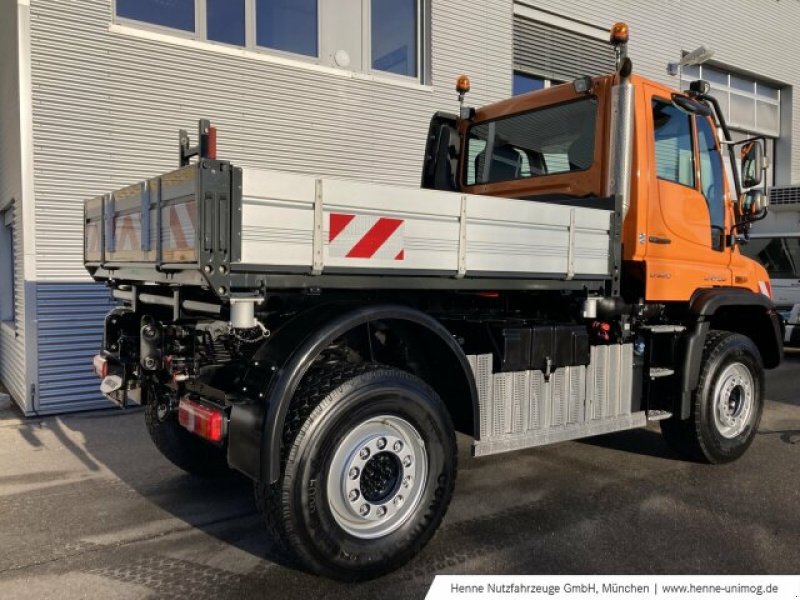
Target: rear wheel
368	470
183	449
727	403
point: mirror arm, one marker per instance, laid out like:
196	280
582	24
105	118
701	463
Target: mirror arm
747	221
728	137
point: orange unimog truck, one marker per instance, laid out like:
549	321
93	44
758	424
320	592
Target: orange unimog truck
571	266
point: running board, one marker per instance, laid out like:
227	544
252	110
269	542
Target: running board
561	434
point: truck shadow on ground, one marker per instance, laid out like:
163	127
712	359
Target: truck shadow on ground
222	507
644	442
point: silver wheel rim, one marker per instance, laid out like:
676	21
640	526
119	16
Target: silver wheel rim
377	477
733	400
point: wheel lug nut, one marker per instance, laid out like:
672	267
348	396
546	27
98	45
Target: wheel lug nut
381	511
398	500
364	510
354	473
381	443
398	445
407	461
364	454
407	481
353	495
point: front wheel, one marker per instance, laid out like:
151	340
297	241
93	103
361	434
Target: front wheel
368	470
727	403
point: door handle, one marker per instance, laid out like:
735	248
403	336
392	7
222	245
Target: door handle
659	240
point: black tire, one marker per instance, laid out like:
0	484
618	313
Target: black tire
183	449
331	403
701	436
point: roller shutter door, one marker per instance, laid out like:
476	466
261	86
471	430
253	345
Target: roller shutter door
550	52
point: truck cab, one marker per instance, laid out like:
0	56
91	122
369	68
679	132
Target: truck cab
682	230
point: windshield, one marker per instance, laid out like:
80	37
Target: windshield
779	255
545	141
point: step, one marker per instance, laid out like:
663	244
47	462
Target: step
658	415
656	372
664	328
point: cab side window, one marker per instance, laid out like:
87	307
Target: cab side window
712	181
674	146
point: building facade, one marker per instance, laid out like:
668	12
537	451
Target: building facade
92	95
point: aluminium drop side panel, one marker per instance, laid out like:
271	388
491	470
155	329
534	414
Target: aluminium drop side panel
277	218
504	237
525	236
426	238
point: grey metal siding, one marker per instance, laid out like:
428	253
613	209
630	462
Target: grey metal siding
12	335
107	106
756	37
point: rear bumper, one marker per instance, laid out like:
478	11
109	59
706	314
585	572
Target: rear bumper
116	384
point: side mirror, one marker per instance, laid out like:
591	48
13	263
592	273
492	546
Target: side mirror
755	201
753	166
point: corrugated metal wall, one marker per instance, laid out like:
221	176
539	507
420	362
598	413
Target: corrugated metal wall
69	336
12	335
757	37
107	107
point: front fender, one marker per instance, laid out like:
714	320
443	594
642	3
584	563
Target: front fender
732	309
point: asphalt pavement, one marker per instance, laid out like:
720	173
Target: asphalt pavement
89	509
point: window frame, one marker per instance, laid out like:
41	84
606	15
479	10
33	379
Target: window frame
359	68
717	242
695	166
8	228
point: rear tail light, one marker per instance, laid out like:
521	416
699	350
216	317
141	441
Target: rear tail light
100	365
765	287
201	420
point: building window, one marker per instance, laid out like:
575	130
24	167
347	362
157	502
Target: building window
527	82
524	83
7	265
395	36
371	36
225	21
288	25
748	103
176	14
750	106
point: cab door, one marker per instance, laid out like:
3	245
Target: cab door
686	217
